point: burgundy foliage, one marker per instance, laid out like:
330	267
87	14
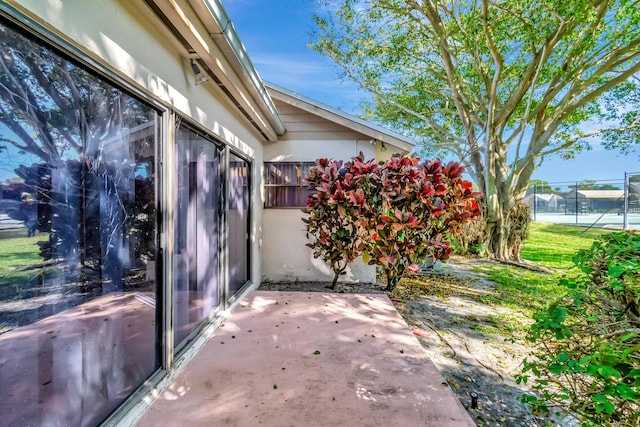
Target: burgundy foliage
397	214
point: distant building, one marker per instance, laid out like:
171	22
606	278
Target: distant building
546	202
595	201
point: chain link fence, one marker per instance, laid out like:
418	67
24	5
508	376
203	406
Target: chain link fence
610	204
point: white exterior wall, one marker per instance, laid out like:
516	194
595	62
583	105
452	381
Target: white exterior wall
292	151
285	258
128	40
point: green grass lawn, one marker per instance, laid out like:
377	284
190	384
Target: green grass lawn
15	254
553	245
19	252
550	245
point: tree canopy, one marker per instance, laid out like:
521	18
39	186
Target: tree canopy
500	84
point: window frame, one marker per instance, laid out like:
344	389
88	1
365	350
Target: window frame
300	185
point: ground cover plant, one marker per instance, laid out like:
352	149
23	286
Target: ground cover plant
589	357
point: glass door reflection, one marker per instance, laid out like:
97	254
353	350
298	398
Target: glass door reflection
196	281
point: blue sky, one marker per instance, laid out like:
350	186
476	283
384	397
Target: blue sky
275	34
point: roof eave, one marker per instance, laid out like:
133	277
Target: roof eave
369	129
222	31
195	31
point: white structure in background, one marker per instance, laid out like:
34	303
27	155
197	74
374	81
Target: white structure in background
545	201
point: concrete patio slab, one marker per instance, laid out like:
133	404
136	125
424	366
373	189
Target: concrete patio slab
310	359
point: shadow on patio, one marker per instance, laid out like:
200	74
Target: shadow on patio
312	359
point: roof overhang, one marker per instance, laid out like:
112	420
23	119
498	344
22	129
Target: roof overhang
368	129
234	74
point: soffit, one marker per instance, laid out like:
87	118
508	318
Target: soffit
191	24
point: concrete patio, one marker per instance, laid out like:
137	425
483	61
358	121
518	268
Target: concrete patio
310	359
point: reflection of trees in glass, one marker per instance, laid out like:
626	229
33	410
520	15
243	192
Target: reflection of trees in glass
80	193
92	189
54	108
81	156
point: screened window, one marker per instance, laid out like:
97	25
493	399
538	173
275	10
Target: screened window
78	235
284	186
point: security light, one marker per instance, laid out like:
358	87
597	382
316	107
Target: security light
200	78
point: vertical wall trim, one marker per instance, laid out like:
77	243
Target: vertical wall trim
224	221
168	227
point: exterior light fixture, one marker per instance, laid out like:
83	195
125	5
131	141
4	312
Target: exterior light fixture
200	78
383	147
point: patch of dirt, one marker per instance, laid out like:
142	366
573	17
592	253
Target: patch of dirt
341	288
462	336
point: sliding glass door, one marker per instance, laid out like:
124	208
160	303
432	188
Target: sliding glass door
238	223
196	268
82	325
78	239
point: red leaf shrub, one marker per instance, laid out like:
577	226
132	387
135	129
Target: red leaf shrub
397	214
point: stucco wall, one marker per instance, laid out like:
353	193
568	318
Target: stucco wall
126	39
284	254
293	151
287	259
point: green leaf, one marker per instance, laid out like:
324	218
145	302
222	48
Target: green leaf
616	270
608	372
628	336
634	373
599	398
556	368
584	360
626	392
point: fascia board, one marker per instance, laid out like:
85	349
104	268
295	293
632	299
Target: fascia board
223	33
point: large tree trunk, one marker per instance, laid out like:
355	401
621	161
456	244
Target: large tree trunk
507	228
507	215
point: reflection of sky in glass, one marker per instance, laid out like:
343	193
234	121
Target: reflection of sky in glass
11	156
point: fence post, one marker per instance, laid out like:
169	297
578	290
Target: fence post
576	202
535	202
625	221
